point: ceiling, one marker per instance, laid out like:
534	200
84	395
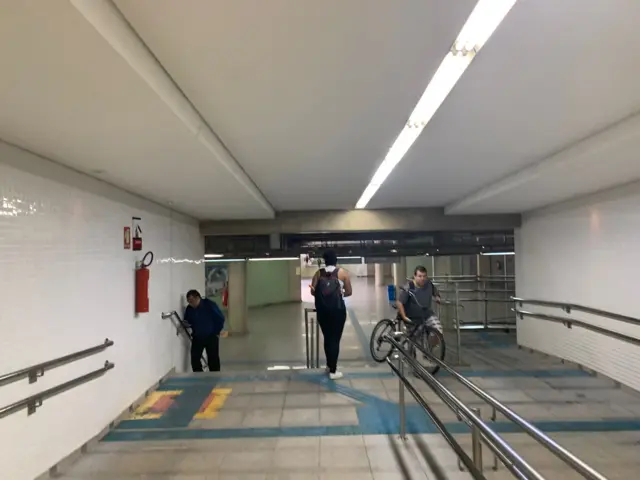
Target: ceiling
308	96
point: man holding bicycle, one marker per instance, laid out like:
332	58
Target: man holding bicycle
416	308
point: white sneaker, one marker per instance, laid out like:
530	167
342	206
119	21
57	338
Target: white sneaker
336	376
326	370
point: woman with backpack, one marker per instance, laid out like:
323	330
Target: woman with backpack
330	285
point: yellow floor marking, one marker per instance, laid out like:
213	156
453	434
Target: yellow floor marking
213	404
146	410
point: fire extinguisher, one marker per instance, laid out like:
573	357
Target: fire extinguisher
142	283
225	296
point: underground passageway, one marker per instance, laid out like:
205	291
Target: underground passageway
149	148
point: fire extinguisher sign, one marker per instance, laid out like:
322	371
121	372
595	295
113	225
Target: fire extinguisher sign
136	227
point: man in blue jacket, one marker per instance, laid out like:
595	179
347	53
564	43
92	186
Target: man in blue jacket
206	321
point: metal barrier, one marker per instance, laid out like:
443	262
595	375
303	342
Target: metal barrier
452	285
480	431
36	371
312	338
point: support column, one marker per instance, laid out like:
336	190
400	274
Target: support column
238	312
295	281
379	274
400	271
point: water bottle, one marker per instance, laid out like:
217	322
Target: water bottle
391	293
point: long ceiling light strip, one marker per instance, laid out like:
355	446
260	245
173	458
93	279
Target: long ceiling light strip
484	19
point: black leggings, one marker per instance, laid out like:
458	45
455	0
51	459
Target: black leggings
332	325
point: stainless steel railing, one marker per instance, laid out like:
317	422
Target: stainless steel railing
569	307
32	403
36	371
571	322
481	432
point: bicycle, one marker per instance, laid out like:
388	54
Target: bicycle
426	336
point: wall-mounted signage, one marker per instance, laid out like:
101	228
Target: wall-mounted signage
137	233
127	238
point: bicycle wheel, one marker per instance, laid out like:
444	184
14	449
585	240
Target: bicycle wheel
377	343
432	341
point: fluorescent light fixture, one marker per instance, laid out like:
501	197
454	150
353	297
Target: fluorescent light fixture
484	19
272	259
350	257
180	260
224	260
213	255
493	254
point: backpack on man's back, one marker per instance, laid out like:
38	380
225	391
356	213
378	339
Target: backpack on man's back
328	291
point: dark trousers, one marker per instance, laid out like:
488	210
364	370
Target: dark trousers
332	325
211	344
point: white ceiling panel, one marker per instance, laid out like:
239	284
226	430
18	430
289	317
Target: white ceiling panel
603	161
554	73
307	95
67	95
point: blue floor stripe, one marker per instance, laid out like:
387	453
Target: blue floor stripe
347	391
195	434
362	337
177	382
376	422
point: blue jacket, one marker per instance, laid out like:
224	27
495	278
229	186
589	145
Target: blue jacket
205	320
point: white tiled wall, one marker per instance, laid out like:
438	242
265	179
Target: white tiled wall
585	252
67	283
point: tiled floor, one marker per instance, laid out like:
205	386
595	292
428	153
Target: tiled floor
250	423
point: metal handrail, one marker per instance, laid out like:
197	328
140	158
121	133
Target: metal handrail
475	290
457	448
555	448
514	462
34	401
475	277
569	322
490	300
185	328
568	307
36	371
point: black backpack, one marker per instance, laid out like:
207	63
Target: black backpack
328	291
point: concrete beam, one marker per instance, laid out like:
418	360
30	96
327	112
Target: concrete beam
418	219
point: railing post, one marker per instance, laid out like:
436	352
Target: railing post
457	314
317	342
476	443
401	403
494	417
486	304
312	331
306	336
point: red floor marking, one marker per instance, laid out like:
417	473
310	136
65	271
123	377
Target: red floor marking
163	404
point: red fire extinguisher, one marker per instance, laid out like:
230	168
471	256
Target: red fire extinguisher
225	296
142	283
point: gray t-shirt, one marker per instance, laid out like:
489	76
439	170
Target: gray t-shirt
424	295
